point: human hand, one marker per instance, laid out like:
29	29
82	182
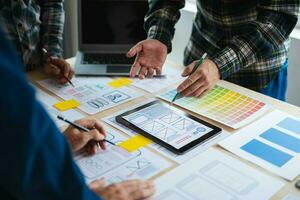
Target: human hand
201	81
127	190
86	141
59	68
150	57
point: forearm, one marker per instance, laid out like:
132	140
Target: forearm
53	18
260	38
161	19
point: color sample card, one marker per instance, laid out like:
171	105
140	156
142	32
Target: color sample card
267	153
282	139
222	105
272	142
291	125
94	95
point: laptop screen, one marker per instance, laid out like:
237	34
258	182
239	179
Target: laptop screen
113	22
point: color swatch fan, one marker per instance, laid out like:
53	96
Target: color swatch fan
222	105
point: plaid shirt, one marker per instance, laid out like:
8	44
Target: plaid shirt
247	39
32	25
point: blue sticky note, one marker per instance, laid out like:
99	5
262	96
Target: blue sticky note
267	153
290	124
282	139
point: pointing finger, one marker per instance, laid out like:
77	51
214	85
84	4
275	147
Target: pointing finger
135	50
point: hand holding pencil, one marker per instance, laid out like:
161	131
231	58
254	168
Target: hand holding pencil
86	135
201	76
59	68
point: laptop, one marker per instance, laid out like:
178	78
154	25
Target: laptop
107	30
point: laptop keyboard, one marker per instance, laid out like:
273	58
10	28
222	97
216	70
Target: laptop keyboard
93	58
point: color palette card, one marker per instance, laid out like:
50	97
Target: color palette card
273	142
222	105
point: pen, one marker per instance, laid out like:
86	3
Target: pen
81	128
50	58
196	66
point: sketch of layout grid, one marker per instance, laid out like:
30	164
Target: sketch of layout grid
153	126
182	124
141	167
95	163
170	118
167	134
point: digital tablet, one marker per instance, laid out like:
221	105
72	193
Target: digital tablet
168	126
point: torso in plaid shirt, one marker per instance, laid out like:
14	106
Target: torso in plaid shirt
247	39
32	25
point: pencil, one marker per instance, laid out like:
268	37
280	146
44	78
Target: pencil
50	58
79	127
196	66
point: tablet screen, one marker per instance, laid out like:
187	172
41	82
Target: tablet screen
167	124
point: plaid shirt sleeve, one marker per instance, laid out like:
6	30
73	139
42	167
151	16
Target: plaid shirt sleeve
161	19
53	18
276	20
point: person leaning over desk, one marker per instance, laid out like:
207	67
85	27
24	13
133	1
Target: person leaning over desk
36	162
247	43
32	25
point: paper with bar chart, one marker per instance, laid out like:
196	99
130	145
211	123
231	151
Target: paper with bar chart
215	175
273	142
94	95
116	164
222	105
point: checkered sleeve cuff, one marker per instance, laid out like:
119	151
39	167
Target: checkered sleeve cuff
55	50
161	34
234	57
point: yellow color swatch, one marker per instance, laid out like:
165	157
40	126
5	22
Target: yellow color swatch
135	143
120	82
66	105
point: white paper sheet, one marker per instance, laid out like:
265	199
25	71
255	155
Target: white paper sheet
291	197
215	175
176	158
268	145
154	85
116	164
47	101
93	94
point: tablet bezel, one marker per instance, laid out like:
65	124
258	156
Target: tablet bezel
215	130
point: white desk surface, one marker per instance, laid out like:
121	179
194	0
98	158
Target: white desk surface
291	109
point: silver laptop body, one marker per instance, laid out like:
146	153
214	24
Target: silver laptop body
107	29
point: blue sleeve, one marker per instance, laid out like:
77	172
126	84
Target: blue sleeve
36	162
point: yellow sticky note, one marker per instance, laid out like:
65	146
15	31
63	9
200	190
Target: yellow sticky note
66	105
125	81
134	143
120	82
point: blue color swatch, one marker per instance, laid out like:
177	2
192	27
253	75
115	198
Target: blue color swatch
282	139
267	153
290	124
